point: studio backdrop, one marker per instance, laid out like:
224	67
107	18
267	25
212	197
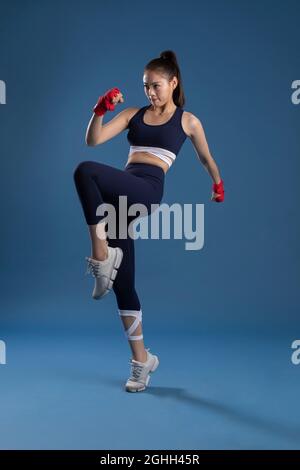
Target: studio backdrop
223	314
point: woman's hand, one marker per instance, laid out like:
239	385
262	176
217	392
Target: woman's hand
118	98
218	192
108	101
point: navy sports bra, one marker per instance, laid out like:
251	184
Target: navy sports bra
162	140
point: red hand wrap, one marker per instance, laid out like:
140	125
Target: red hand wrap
219	189
104	102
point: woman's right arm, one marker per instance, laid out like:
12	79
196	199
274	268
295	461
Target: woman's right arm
92	136
97	133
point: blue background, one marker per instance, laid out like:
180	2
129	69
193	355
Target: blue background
221	319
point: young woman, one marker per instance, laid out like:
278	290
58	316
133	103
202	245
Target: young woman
156	134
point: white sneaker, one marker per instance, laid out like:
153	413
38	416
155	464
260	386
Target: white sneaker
104	272
140	373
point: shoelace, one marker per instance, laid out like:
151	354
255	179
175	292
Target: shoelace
136	371
93	268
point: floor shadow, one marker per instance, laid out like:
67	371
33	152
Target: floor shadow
227	411
183	396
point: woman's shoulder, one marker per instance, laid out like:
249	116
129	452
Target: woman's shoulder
133	110
188	121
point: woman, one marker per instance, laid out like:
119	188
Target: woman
156	134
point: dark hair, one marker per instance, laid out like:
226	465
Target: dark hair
167	64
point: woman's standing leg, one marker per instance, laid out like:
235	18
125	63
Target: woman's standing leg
97	183
129	305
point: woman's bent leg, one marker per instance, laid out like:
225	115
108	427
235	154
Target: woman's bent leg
99	250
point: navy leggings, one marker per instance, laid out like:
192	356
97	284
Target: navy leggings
97	183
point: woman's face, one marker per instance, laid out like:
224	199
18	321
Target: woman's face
158	89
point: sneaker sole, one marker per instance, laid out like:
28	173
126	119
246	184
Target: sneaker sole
113	275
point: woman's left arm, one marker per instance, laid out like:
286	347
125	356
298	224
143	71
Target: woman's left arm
197	136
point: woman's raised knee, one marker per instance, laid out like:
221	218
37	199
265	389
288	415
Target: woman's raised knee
83	168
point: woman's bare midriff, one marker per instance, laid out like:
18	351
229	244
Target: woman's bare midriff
145	157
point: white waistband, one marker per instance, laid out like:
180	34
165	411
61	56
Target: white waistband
163	154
